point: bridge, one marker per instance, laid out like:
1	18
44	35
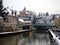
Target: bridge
37	26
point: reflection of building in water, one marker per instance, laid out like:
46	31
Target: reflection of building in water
22	42
9	40
25	39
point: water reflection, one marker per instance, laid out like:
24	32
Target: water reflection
9	40
26	39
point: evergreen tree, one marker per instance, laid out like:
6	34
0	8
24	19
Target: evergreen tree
53	17
3	11
1	7
47	14
39	15
34	19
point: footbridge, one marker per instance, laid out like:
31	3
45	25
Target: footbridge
37	26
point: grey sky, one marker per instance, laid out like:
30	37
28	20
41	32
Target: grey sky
51	6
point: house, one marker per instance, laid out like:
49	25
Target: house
10	23
25	15
57	22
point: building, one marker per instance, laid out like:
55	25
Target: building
10	23
25	15
57	22
11	19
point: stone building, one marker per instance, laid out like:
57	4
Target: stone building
10	23
57	22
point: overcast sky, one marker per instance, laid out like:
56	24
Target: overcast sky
51	6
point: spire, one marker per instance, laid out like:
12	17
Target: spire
47	14
39	14
24	9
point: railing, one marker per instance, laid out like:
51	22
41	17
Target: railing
47	25
54	39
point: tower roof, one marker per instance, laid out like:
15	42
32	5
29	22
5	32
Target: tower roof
24	9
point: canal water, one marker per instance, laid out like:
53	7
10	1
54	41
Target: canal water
31	38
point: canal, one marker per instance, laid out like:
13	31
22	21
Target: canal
31	38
